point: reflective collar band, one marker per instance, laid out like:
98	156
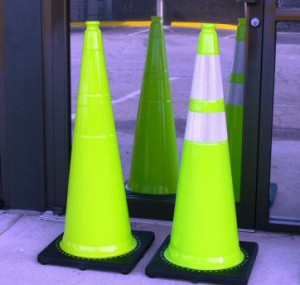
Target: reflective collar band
201	106
206	127
237	78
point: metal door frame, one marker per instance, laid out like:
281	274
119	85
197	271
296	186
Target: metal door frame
246	210
2	98
272	14
35	104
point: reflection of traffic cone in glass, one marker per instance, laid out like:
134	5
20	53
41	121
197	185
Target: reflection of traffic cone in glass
97	220
204	235
234	108
154	168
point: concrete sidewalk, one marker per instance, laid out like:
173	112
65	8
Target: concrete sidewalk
23	234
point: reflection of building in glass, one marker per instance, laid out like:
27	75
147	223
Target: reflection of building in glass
81	10
285	160
288	3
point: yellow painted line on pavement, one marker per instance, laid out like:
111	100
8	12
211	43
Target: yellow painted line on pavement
198	25
147	24
115	24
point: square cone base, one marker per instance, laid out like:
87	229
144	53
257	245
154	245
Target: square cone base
53	255
160	267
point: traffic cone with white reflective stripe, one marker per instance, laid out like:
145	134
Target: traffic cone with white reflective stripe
155	165
208	241
97	220
234	108
204	234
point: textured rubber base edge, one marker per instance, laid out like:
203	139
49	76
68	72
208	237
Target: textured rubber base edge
54	255
160	267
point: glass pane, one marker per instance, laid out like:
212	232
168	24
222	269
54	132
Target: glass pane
285	163
125	50
288	3
288	27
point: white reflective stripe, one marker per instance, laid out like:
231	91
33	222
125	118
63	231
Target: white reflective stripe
236	94
206	127
207	80
238	66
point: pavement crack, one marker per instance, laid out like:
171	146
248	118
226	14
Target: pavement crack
10	224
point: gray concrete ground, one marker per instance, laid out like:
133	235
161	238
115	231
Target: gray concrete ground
23	234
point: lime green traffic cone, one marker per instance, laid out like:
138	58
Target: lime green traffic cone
97	220
234	108
154	168
97	230
204	234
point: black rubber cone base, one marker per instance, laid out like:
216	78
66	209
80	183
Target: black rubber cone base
54	255
160	267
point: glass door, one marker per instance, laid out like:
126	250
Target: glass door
279	141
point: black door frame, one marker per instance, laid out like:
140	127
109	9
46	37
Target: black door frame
35	103
272	15
57	101
2	98
246	211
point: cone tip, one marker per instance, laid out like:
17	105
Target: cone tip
208	27
94	24
242	21
241	31
208	40
156	19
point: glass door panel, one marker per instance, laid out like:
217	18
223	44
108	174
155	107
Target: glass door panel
285	158
288	4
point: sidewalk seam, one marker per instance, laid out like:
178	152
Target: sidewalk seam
11	224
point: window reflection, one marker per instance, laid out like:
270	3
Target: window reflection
288	3
285	165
